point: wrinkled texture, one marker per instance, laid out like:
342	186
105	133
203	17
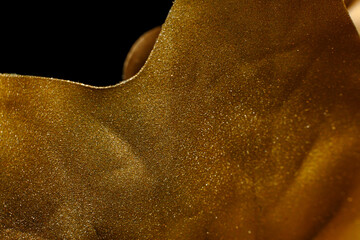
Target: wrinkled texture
243	124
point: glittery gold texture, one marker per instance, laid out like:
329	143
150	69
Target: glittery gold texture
243	124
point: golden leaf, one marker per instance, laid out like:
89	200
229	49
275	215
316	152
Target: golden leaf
243	124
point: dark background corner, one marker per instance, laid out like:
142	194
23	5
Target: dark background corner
85	43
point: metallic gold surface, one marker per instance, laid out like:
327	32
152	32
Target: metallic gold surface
354	11
243	124
140	52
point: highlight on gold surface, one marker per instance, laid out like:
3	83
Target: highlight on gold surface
243	123
354	11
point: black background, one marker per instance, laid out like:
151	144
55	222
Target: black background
86	43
